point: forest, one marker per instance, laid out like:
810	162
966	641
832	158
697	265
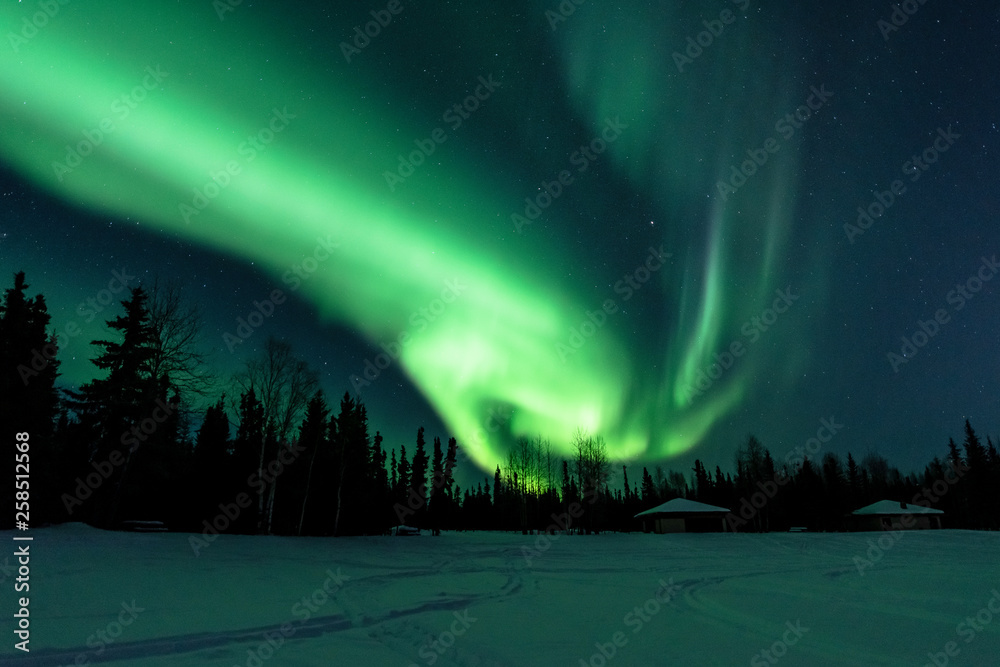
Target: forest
159	436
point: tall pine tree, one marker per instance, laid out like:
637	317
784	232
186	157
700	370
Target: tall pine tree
418	480
118	408
30	404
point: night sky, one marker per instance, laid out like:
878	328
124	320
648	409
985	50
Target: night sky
380	184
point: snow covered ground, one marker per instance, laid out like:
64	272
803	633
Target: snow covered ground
475	599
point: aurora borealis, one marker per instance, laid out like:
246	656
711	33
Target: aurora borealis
550	218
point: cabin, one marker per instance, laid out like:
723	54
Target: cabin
681	515
895	515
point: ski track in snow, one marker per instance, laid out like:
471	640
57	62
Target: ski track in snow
396	628
402	593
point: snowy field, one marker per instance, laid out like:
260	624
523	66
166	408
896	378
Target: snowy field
474	599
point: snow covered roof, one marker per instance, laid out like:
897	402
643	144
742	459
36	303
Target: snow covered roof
895	507
684	506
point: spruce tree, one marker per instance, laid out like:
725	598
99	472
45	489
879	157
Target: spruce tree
245	456
312	438
853	483
499	520
435	492
354	479
28	364
954	455
403	485
450	461
119	406
649	494
418	479
30	403
380	515
975	454
393	476
702	482
977	479
212	470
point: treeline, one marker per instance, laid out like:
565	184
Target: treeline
819	494
271	455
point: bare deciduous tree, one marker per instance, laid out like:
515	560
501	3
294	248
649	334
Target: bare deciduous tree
593	468
176	326
284	384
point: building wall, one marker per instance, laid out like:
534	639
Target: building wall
689	524
670	525
894	522
705	524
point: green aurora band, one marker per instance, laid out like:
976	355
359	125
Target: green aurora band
322	176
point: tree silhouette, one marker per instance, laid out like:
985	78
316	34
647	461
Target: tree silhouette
312	437
118	407
28	372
